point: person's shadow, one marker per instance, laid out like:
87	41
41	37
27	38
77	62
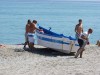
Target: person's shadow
47	52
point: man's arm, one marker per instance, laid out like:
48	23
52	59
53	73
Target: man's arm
83	37
38	28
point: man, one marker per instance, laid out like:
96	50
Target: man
26	33
84	38
31	33
78	29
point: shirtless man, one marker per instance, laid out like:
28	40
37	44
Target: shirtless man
78	29
31	33
83	40
26	33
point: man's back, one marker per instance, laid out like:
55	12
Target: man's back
32	28
27	28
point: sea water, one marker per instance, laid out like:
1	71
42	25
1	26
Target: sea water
61	16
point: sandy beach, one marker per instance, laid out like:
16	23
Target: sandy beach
14	60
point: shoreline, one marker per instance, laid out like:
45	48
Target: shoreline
46	62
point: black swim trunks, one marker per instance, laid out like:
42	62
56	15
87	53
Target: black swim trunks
81	42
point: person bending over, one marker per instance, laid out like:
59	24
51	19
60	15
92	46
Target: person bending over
31	33
84	37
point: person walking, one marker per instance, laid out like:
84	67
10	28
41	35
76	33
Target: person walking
83	40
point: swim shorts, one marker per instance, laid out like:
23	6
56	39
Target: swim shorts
31	37
81	42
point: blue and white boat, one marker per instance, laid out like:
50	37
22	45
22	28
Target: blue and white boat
56	41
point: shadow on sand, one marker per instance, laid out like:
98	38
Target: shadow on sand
47	52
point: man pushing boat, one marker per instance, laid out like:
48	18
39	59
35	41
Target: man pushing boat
32	29
83	40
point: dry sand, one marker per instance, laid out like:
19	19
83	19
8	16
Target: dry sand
15	61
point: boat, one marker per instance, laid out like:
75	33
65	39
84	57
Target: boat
58	42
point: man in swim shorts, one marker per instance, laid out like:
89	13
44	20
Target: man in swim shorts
82	39
78	29
32	29
26	33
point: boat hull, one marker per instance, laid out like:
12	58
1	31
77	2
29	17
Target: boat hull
57	42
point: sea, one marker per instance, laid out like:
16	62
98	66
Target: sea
61	16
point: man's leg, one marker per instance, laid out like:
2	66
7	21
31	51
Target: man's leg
78	52
31	46
81	54
26	40
31	41
80	41
25	44
83	46
28	44
99	44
